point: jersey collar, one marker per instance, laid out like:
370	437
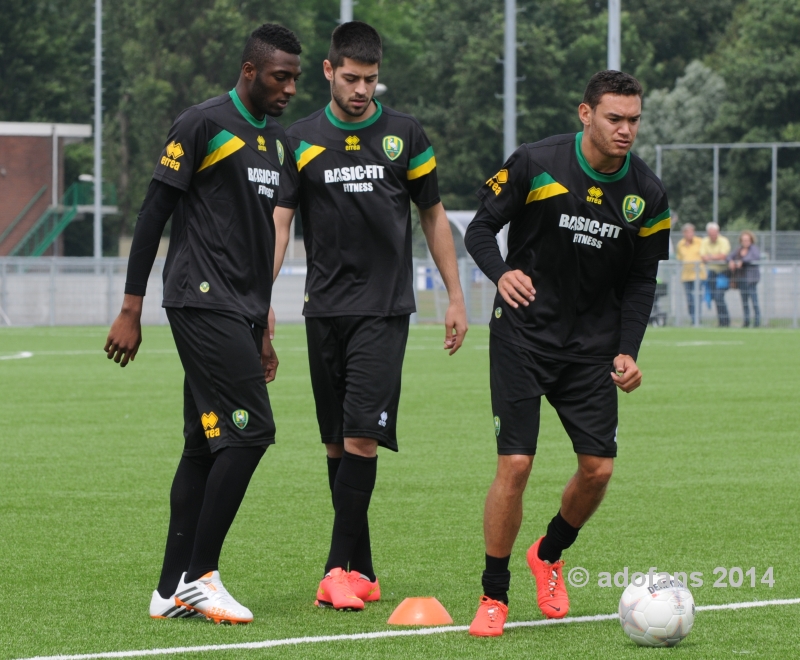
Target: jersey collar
353	126
245	112
599	176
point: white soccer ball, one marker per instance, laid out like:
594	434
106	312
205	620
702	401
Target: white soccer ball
656	611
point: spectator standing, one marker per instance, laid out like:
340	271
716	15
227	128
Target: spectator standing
743	267
714	251
694	270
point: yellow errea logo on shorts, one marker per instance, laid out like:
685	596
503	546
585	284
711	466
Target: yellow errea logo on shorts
209	421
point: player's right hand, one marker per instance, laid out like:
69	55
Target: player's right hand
269	358
125	335
516	288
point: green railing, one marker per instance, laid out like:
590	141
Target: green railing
49	226
85	193
55	220
21	214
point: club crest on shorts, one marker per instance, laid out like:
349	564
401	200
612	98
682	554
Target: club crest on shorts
632	207
204	287
392	146
498	312
496	426
240	418
279	147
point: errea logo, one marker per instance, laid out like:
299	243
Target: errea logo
497	181
262	143
174	151
594	195
352	143
209	421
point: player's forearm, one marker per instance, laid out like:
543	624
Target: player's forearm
436	228
637	303
481	243
159	204
283	224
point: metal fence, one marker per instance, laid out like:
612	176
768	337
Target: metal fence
85	291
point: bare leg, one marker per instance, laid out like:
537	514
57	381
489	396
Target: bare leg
502	515
586	489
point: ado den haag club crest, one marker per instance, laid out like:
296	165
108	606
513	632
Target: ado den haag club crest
240	418
392	146
279	146
632	207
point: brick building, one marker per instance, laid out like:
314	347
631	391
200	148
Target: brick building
32	175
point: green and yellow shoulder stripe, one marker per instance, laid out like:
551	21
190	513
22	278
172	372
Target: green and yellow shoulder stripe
661	222
421	165
544	186
222	145
305	153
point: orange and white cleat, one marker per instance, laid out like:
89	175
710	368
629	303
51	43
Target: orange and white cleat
335	591
369	592
209	597
165	608
550	590
490	619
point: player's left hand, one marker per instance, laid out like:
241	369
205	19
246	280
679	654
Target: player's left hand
628	376
269	358
455	326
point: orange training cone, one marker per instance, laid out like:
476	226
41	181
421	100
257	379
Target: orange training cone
420	612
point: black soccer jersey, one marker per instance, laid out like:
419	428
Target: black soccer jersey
578	234
354	187
222	244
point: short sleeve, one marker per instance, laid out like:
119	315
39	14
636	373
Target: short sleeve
289	192
184	151
505	193
421	175
652	242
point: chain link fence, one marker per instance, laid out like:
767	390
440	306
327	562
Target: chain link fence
85	291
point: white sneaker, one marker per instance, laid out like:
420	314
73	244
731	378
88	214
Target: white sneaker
209	597
165	608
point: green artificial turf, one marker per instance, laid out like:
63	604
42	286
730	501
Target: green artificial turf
706	477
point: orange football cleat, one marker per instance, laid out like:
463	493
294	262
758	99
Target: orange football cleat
550	590
490	619
367	591
335	591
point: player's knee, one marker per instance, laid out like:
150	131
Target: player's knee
515	469
597	474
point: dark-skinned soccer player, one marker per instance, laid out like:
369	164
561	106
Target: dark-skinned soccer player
219	177
588	224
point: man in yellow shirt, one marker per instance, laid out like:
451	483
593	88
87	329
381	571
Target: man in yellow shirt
714	249
694	270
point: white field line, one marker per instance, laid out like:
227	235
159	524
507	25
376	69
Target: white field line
294	641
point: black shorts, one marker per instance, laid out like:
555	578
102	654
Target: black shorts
583	395
225	400
356	365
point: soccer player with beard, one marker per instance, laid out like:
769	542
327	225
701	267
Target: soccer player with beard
219	176
588	224
360	166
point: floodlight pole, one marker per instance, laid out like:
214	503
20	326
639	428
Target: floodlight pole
773	205
510	80
98	129
614	35
346	11
715	203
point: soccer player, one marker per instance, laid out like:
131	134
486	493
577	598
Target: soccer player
360	165
588	224
219	177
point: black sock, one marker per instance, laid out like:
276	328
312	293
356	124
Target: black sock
560	535
185	502
333	468
225	489
496	578
361	559
355	481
